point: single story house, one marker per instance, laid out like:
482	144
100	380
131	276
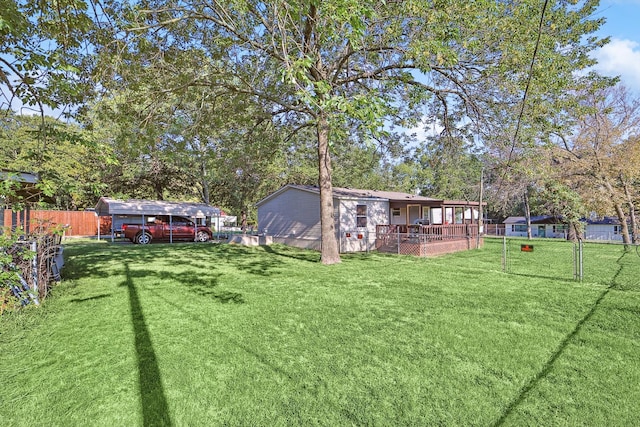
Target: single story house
541	226
363	218
139	211
607	228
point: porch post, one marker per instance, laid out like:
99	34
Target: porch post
27	219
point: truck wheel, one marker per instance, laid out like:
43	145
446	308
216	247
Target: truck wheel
202	236
143	238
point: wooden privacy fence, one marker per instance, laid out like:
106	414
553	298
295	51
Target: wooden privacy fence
76	223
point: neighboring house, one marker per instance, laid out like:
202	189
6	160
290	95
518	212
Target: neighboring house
607	228
291	215
541	226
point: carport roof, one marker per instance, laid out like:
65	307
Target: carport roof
107	206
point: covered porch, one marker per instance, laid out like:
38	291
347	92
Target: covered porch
427	227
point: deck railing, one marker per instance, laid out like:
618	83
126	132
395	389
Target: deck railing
426	233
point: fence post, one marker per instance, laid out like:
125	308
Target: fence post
398	240
34	265
504	253
581	264
575	262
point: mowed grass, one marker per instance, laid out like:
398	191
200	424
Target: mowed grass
213	334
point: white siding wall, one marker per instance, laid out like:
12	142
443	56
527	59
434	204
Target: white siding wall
601	232
509	233
377	214
537	230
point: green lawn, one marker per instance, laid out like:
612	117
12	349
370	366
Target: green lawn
213	334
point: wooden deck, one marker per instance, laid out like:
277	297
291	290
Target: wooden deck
427	240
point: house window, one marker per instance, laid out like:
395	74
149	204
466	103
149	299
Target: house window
361	215
448	214
519	228
459	215
560	229
617	229
395	211
436	215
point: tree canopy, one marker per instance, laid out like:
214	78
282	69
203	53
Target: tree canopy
348	66
233	99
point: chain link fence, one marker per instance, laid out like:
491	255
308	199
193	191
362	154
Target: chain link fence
607	263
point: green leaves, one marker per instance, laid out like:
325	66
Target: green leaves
41	60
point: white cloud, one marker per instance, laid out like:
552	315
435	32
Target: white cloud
426	128
620	57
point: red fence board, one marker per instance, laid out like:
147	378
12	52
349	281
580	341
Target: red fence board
79	223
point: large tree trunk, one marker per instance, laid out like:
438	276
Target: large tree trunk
574	232
626	239
206	198
632	212
329	251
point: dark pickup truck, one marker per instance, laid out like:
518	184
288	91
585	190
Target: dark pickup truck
162	228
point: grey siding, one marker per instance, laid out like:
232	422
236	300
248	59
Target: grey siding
292	217
293	214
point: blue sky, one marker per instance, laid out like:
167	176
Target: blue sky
622	55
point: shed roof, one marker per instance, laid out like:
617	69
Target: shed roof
26	188
24	177
107	206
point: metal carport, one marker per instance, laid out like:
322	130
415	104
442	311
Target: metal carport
137	209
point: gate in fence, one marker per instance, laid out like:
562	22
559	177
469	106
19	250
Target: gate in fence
592	261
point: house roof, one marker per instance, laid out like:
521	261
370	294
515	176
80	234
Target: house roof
607	220
107	206
354	193
539	219
550	219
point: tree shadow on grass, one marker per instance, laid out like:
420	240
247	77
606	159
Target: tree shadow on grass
526	390
155	410
289	253
96	297
192	282
101	261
